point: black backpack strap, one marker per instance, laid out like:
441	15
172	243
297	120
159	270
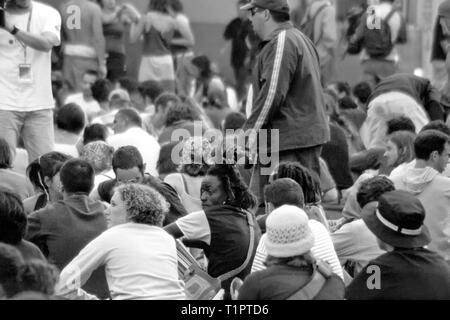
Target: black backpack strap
313	20
321	273
235	272
390	15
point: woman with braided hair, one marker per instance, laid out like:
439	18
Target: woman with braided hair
225	229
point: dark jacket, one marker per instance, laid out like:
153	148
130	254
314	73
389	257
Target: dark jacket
62	229
282	282
287	91
419	88
409	274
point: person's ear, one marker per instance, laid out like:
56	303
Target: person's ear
144	168
269	207
47	181
434	156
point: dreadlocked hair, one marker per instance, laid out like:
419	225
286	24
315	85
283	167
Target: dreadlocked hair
304	177
238	194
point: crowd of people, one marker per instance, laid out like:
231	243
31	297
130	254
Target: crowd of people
114	187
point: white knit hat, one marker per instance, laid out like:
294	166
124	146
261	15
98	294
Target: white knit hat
288	233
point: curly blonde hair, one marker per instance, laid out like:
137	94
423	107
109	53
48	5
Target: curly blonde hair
143	204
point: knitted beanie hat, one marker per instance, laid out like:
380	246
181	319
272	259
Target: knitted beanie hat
288	233
444	9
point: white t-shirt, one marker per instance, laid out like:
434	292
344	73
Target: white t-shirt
37	95
141	263
144	142
355	242
323	249
90	108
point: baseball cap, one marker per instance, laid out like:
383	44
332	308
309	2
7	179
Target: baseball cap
272	5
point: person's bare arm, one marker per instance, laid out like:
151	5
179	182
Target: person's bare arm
187	36
40	42
137	29
99	42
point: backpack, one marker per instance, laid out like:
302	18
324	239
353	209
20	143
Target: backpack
321	273
307	28
199	285
378	41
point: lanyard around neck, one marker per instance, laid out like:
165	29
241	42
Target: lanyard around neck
28	30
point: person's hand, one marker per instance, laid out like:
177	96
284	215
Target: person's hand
103	70
8	25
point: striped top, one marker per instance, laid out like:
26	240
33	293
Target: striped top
323	249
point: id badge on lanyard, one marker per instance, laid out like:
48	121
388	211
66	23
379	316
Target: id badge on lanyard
25	71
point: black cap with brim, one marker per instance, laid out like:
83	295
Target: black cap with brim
391	237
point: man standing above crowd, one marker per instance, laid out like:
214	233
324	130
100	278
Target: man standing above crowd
287	92
84	47
30	32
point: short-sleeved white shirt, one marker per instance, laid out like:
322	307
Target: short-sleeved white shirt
16	96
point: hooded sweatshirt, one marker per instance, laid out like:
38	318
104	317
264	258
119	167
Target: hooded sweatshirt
62	229
433	190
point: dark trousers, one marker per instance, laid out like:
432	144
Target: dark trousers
241	76
116	66
307	157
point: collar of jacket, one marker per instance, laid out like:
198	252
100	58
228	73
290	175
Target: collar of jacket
283	26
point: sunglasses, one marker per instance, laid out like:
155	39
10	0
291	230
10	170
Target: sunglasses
255	10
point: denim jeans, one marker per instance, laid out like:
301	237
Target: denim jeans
34	127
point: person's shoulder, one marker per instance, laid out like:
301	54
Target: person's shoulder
45	7
93	7
317	227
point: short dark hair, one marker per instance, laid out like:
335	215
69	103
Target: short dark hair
158	6
362	91
101	90
280	17
151	89
13	219
77	176
304	177
44	166
371	190
71	118
176	5
165	98
437	125
284	192
10	262
131	115
347	103
401	123
428	142
38	276
203	63
126	158
95	132
165	164
6	159
234	121
128	84
181	111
